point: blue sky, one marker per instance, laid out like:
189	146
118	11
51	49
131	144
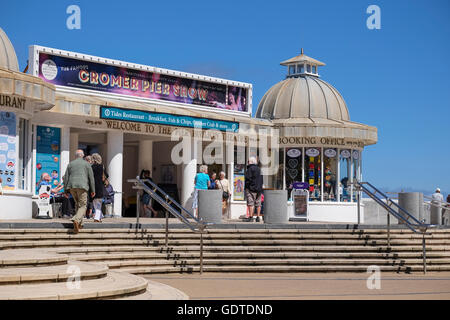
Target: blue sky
395	78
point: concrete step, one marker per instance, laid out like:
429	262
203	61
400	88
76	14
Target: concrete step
178	230
58	273
226	242
27	257
158	291
282	268
216	236
114	285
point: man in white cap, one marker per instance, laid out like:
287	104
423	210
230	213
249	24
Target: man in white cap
435	210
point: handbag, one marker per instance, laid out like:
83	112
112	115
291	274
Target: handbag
225	194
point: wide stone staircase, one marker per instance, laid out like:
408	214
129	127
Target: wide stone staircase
143	251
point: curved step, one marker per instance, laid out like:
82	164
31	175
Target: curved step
57	273
115	284
159	291
30	257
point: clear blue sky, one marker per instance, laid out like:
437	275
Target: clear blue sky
396	78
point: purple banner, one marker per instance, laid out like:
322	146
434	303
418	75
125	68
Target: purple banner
107	78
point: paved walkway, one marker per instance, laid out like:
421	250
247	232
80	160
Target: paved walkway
215	286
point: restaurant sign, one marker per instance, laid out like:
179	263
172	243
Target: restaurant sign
110	113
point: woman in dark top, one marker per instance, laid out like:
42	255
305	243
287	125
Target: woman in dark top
99	178
146	199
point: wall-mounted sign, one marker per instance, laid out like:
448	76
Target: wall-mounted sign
294	153
107	78
312	152
12	102
345	154
238	187
166	119
48	151
355	154
8	149
330	153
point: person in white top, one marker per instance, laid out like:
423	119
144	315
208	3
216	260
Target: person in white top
436	211
224	185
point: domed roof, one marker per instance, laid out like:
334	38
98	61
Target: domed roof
302	94
303	97
8	58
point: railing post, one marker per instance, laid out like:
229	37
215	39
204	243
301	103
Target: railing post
138	200
167	228
359	204
201	252
389	230
424	253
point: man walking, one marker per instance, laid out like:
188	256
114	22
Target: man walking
253	188
78	180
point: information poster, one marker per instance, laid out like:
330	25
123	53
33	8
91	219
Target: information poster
8	149
238	192
48	154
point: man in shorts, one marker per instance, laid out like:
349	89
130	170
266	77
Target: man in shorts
253	189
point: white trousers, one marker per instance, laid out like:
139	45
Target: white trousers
97	203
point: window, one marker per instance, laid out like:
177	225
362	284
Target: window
356	171
344	169
24	154
312	167
291	69
314	69
330	174
300	68
293	170
308	68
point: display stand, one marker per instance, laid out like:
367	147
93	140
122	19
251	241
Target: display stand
44	202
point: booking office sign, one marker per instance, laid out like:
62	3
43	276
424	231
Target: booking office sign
116	77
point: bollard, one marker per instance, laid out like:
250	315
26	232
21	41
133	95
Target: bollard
275	206
210	205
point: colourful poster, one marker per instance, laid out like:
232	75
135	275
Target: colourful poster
102	77
8	149
238	192
48	150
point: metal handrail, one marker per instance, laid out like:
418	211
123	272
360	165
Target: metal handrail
416	227
198	226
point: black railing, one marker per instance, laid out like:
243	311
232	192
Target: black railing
171	207
398	212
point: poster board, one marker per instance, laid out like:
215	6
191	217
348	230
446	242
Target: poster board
8	150
48	142
44	201
300	198
238	187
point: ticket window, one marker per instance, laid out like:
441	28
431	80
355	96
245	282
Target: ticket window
330	175
345	173
313	174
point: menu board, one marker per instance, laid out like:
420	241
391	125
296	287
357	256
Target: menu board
8	149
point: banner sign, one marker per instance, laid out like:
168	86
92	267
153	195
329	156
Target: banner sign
166	119
8	149
48	141
84	74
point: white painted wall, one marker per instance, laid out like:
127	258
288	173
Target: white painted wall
15	205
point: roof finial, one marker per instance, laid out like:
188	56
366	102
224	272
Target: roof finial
302	51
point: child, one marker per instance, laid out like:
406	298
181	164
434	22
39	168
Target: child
108	199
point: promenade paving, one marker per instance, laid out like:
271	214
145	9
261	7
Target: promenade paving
308	286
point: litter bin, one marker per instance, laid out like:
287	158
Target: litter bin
210	205
412	202
275	206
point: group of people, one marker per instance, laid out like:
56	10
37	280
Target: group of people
253	189
437	201
86	182
203	181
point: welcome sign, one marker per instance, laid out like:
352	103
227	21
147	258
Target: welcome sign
107	78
